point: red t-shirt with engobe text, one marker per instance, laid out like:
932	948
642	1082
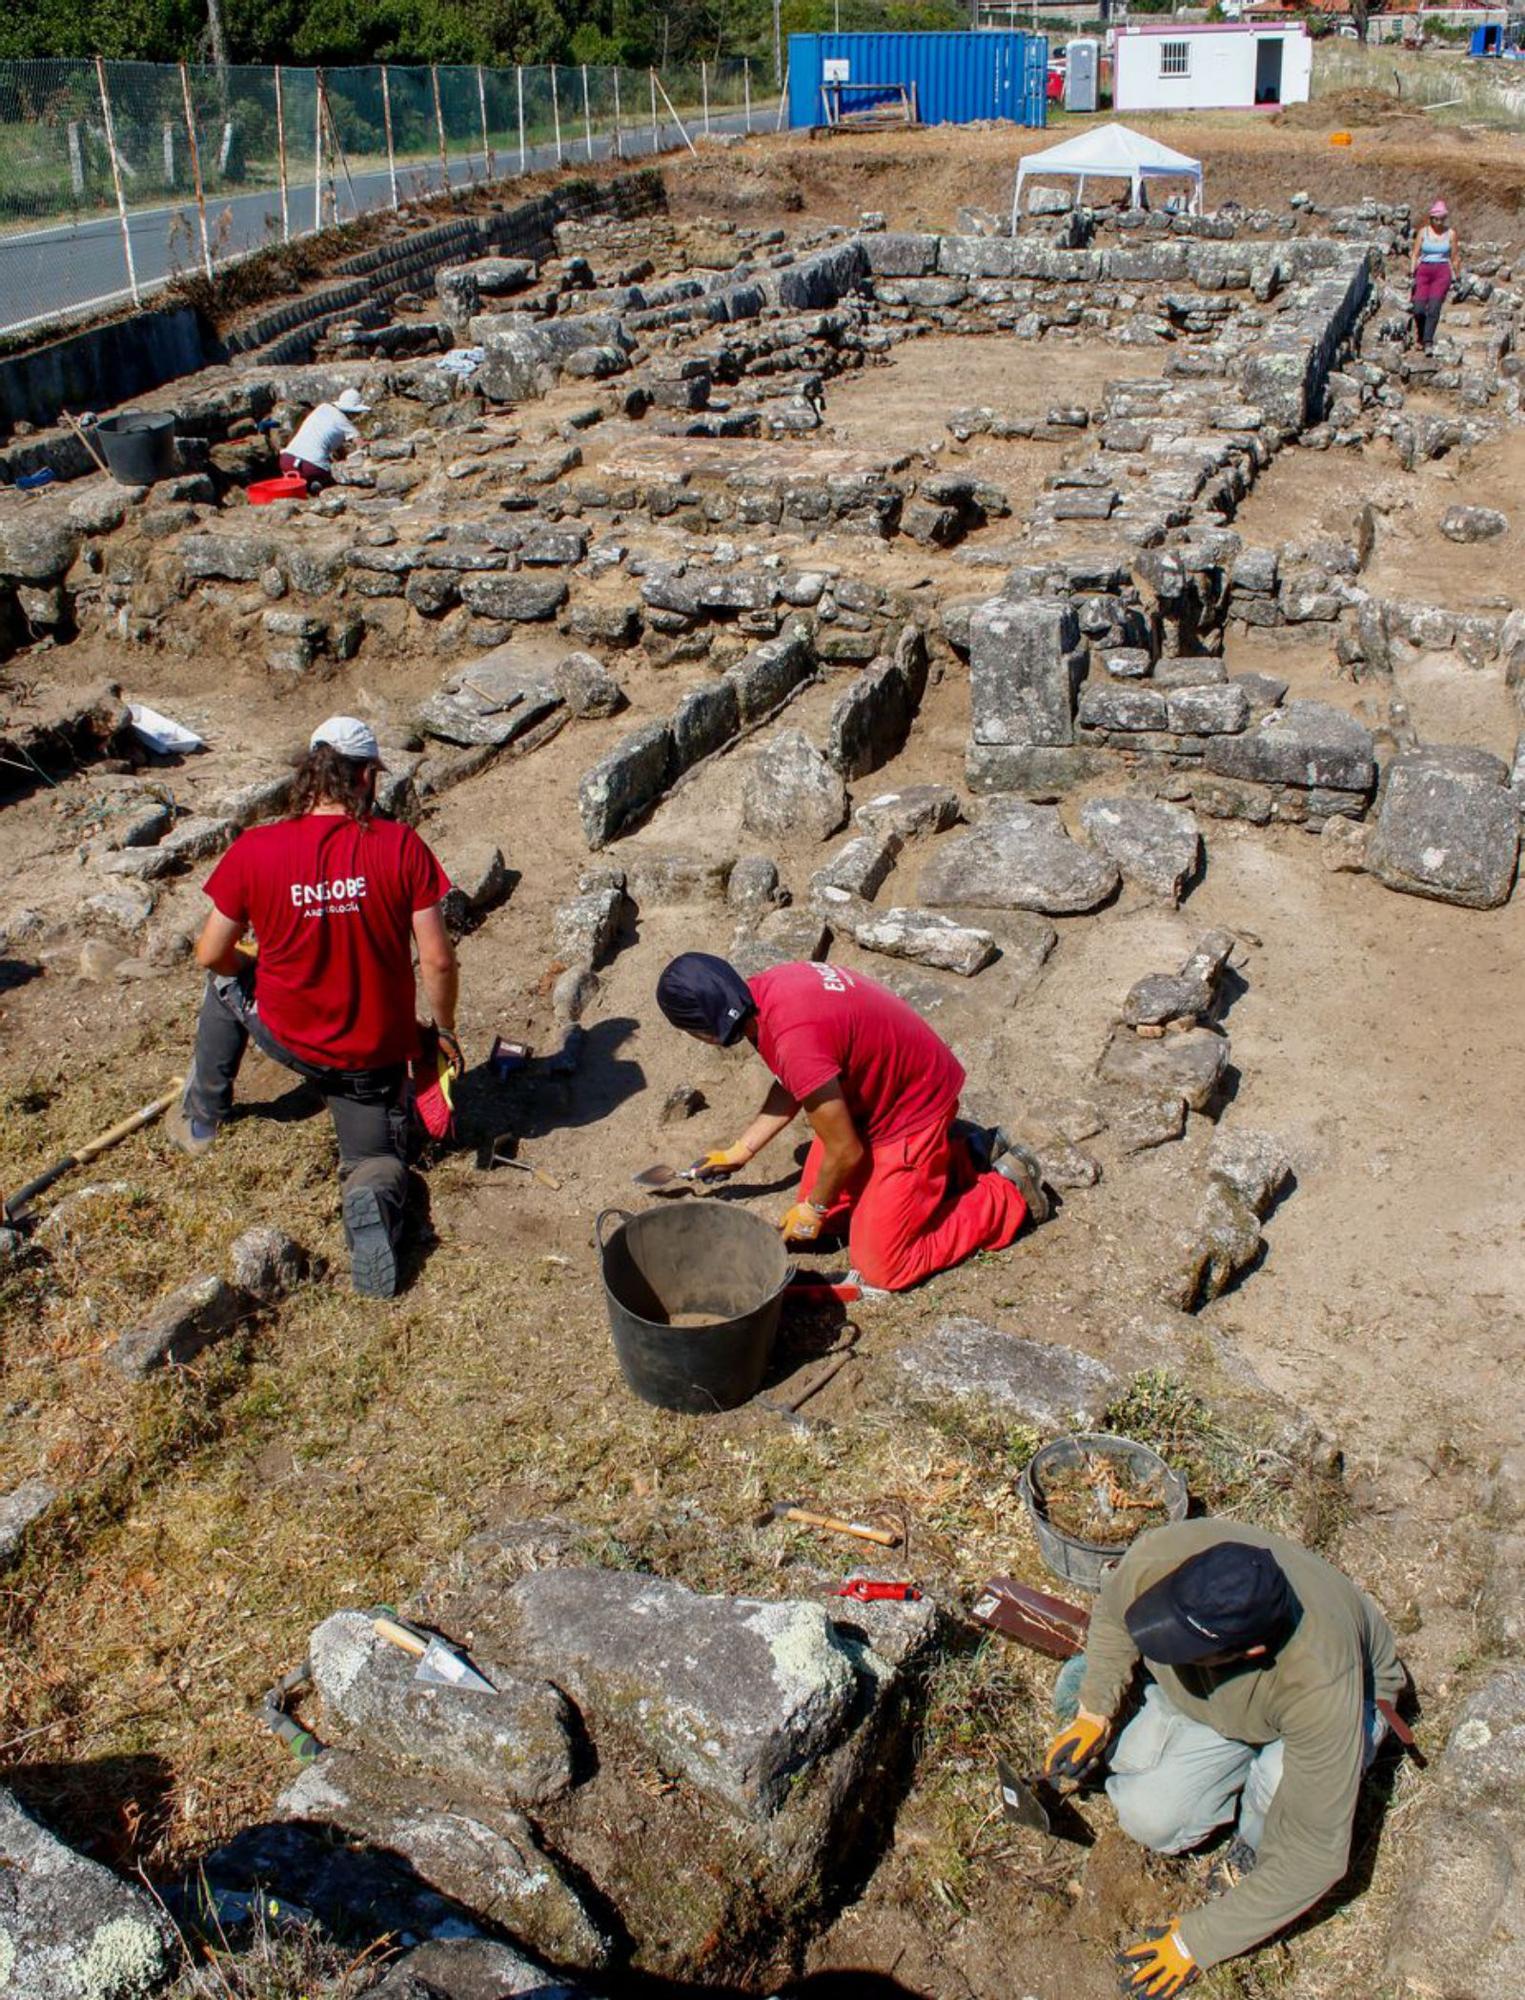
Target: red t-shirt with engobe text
332	903
817	1021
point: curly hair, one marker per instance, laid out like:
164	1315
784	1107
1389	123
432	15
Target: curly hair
323	777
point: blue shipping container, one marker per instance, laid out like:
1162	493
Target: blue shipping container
957	77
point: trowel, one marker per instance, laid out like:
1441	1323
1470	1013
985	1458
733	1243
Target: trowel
439	1663
674	1180
1035	1803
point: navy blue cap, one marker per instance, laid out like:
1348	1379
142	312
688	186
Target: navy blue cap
1230	1597
704	996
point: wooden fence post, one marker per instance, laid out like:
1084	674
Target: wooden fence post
439	127
116	177
201	200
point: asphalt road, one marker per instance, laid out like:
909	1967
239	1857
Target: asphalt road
45	272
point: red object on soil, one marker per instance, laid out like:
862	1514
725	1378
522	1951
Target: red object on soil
289	486
866	1591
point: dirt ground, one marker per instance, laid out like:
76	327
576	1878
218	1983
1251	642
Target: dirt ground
337	1454
920	179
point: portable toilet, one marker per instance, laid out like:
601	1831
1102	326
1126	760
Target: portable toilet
1487	40
1082	90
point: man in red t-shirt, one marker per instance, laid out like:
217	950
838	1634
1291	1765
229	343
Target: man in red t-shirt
915	1193
336	900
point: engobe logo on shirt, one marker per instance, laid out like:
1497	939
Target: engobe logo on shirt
321	899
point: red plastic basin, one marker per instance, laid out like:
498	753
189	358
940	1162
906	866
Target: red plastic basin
289	486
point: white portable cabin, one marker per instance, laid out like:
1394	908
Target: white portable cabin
1229	66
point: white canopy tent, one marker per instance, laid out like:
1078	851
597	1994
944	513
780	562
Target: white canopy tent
1114	153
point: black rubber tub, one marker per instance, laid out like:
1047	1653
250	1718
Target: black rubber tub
138	445
716	1270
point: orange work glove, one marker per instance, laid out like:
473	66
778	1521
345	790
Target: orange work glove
802	1224
1076	1747
722	1162
1157	1966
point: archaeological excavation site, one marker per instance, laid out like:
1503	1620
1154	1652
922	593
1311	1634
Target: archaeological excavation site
1104	637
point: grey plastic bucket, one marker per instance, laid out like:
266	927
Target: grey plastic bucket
1085	1564
138	445
689	1258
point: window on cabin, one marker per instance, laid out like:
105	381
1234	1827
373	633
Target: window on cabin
1175	58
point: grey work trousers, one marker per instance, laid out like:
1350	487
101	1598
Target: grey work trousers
369	1107
1174	1780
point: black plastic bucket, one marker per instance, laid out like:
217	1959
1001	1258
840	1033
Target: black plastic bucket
138	445
681	1261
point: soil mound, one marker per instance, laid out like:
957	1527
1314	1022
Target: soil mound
1343	108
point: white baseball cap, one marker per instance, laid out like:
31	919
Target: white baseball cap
350	737
353	403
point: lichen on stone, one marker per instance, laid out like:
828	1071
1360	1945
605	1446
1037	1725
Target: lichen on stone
126	1957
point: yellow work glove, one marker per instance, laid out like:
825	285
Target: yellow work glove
450	1049
802	1224
722	1162
1076	1747
1158	1966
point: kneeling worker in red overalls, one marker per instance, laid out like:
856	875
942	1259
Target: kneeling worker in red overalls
915	1191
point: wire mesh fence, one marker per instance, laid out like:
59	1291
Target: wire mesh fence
117	177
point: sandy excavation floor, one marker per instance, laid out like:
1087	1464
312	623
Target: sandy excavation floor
333	1453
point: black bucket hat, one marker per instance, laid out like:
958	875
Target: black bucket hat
1224	1600
703	995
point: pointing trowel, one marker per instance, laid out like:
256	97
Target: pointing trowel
439	1663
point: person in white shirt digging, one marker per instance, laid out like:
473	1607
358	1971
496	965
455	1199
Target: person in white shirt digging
324	435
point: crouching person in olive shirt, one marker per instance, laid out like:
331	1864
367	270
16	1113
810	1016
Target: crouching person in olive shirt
1266	1668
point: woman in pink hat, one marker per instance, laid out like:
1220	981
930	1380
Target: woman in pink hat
1436	263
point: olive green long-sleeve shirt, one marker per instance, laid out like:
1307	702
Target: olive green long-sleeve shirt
1312	1696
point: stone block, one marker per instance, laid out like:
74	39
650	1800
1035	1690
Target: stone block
1155	844
1051	1387
1018	856
1254	1164
1207	711
754	885
514	599
585	931
177	1329
665	879
731	1693
621	785
1447	830
771	672
1122	706
472	1969
1473	524
1305	743
861	866
19	1508
69	1928
1189	1065
553	544
586	685
926	938
900	254
704	721
791	790
912	812
513	1744
870	721
486	1859
267	1263
1223	1240
1148	1122
1023	670
1032	769
225	558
